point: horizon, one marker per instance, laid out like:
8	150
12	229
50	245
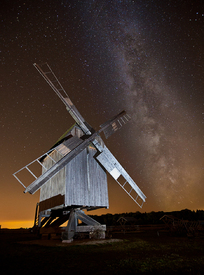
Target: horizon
28	224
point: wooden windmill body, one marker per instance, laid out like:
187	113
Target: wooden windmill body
82	182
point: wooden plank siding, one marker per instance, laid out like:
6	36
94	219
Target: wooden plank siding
83	181
56	185
86	181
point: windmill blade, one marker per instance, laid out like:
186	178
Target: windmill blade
54	83
78	145
63	149
111	126
39	182
116	170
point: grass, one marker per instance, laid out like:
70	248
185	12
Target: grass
138	253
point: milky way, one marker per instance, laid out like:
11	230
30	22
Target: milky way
166	138
162	126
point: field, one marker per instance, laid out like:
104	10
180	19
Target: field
142	252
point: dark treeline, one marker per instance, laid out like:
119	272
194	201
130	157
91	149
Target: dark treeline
149	218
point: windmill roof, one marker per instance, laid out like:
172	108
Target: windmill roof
66	134
61	139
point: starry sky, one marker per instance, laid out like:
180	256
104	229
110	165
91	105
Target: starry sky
142	56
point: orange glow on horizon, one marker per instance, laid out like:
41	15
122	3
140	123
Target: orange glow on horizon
17	224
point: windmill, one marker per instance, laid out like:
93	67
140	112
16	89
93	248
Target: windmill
73	175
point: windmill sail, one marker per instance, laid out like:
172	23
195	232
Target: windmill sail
54	83
110	163
111	126
40	181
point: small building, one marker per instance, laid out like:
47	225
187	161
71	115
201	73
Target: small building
127	221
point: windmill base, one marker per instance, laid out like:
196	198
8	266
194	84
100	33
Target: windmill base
94	228
47	223
95	232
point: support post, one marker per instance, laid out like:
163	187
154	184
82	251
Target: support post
94	228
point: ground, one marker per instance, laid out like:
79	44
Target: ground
141	252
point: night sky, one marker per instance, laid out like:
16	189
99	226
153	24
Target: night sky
146	57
